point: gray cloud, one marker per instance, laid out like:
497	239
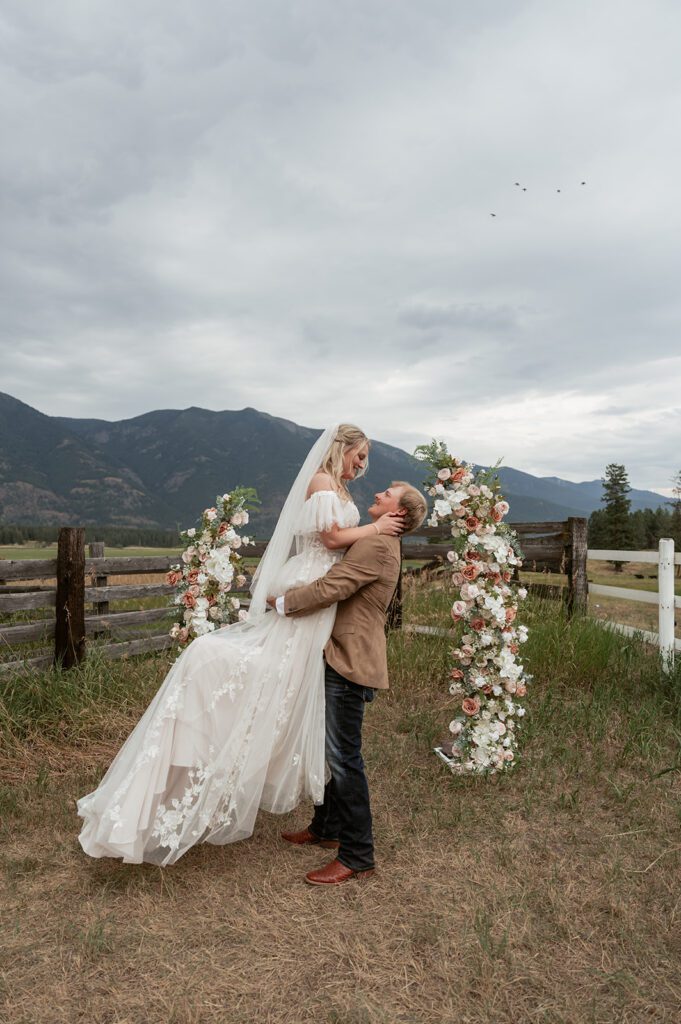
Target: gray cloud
289	207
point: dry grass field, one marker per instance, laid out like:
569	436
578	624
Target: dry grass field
550	895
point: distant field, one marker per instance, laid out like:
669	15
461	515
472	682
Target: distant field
50	551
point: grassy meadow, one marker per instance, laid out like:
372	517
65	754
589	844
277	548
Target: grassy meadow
548	895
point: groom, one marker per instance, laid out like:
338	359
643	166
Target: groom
362	585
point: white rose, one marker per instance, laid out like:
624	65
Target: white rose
191	532
243	615
455	727
219	567
442	507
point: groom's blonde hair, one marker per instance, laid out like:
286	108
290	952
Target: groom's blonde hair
415	504
348	436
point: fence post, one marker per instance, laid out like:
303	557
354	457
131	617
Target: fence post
578	584
69	632
394	617
99	607
665	587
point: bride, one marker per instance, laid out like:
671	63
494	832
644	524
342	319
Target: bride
238	722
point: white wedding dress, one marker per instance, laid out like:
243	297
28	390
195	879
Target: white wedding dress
237	724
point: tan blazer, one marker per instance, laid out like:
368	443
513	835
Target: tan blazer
362	584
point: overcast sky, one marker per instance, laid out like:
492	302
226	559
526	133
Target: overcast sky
288	206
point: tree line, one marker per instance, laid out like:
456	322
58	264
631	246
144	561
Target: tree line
617	528
113	536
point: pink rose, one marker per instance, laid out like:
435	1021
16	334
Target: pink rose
470	705
444	474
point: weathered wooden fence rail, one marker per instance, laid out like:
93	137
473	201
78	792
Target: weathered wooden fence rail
548	547
664	597
80	581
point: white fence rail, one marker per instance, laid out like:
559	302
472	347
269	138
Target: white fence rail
664	597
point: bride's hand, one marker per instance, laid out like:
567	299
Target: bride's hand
391	524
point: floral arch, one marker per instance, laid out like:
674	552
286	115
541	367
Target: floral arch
487	681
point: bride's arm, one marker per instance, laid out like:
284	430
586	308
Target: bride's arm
389	524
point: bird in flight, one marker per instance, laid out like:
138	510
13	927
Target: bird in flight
492	214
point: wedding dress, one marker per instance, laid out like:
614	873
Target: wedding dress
237	724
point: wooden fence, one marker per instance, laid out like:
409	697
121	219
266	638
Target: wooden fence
73	581
69	584
548	547
663	597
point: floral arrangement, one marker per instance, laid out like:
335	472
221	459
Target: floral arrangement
210	566
488	681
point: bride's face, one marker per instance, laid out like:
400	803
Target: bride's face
354	461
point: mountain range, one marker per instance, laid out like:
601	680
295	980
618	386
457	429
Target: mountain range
162	468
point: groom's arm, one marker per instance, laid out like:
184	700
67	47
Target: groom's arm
360	566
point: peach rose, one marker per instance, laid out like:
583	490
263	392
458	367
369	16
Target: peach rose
473	556
458	475
513	648
470	573
496	515
173	578
507	576
470	705
477	624
456	673
472	523
520	690
183	635
510	614
188	600
193	576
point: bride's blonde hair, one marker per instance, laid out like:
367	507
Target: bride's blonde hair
348	437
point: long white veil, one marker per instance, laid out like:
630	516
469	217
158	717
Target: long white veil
279	548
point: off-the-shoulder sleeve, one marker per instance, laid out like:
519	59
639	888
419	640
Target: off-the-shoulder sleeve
322	511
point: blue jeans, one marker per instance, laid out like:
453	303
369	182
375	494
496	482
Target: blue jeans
346	814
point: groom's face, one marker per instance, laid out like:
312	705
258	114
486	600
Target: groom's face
386	501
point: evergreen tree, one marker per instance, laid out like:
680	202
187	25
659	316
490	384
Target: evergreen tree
618	528
675	517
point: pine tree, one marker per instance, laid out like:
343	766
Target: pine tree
675	524
617	524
